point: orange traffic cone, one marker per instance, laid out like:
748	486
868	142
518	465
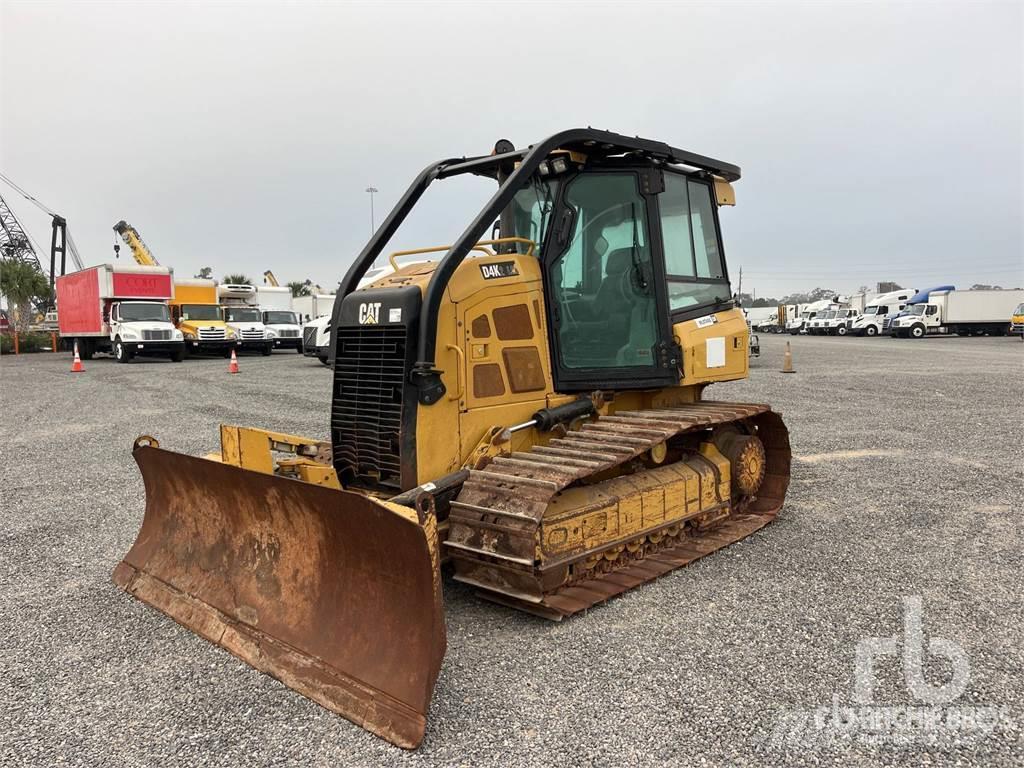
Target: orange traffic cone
233	365
787	361
77	367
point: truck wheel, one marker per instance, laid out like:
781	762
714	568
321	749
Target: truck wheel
917	331
268	350
298	348
85	349
871	330
842	330
177	355
121	353
323	359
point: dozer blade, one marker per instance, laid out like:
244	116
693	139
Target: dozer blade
335	594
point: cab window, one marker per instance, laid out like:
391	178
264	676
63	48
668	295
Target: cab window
693	258
603	292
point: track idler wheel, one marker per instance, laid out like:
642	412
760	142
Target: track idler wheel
746	457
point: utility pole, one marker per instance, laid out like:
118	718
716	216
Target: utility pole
373	225
739	287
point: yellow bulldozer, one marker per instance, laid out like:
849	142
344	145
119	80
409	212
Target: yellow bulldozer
527	408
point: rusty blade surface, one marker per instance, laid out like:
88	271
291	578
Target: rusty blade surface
334	594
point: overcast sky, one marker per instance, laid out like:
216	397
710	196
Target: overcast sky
876	141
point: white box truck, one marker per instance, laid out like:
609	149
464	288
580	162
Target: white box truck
119	309
240	305
964	313
872	320
279	317
314	306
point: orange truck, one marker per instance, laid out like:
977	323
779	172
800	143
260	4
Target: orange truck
196	312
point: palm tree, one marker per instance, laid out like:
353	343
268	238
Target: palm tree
23	284
300	289
236	279
205	273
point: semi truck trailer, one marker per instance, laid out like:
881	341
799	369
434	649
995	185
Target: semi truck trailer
121	310
964	313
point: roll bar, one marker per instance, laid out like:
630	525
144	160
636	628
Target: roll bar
590	141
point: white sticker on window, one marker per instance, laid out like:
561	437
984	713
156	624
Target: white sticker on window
395	315
704	322
716	352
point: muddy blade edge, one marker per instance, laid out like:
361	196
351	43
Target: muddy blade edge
334	594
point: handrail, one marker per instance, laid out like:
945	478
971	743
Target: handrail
480	246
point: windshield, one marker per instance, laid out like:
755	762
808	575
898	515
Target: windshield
917	309
241	314
131	311
1019	310
871	309
843	313
200	312
279	318
530	213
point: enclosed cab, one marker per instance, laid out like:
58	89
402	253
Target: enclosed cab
840	322
800	323
279	319
1017	321
241	312
196	312
964	313
816	325
122	310
871	321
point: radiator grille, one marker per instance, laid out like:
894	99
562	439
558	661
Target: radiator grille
309	337
212	334
252	334
156	335
369	379
288	333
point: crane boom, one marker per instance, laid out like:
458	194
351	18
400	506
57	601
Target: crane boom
269	279
138	246
14	242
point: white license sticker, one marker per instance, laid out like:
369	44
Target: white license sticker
395	315
716	352
704	322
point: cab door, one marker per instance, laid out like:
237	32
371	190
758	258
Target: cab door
605	286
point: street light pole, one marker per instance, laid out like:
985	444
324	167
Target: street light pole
373	225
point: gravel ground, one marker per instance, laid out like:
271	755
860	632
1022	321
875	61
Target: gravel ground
907	481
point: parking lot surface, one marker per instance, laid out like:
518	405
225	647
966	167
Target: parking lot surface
907	490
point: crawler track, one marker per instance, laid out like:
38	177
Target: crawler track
495	523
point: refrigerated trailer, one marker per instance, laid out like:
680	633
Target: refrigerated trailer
121	310
965	313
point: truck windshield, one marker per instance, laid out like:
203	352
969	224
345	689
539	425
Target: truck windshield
917	309
241	314
133	311
279	318
1019	310
870	309
200	312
